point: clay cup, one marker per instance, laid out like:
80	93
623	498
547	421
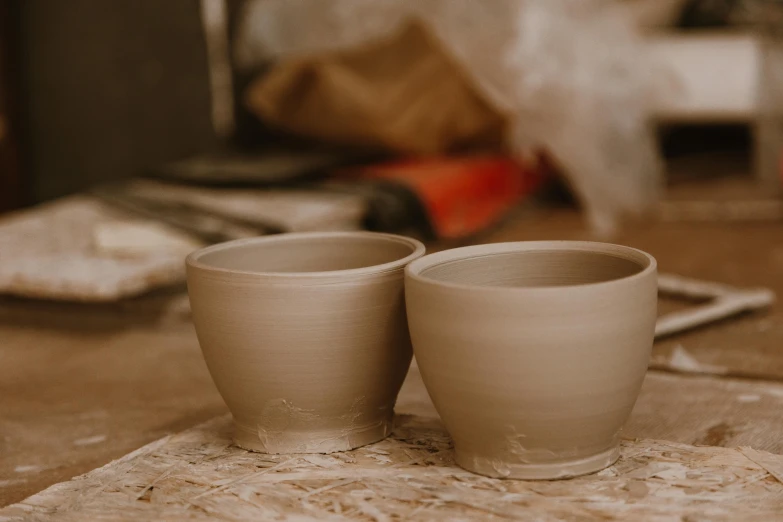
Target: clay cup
305	335
534	352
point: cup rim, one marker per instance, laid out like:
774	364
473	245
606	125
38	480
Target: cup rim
415	269
418	249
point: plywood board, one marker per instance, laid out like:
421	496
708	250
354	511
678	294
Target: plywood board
78	372
714	411
199	475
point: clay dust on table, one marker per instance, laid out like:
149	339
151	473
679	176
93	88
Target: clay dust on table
197	474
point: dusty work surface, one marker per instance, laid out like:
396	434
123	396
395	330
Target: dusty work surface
82	385
199	475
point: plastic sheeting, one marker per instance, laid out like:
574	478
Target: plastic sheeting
572	76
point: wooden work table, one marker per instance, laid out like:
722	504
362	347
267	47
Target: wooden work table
82	385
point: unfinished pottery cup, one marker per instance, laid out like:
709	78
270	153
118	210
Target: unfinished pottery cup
305	335
533	353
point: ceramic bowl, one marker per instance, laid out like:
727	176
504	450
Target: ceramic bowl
533	352
305	335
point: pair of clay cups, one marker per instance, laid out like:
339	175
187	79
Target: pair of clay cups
533	352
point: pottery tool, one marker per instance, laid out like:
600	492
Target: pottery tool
444	198
209	228
272	168
300	209
124	240
724	301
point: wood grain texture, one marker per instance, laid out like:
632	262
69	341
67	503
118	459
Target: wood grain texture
136	398
84	386
713	411
132	371
198	475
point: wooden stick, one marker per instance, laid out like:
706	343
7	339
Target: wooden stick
727	301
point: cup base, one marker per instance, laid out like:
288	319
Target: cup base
315	441
559	470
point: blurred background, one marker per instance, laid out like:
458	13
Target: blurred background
215	93
140	130
134	131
